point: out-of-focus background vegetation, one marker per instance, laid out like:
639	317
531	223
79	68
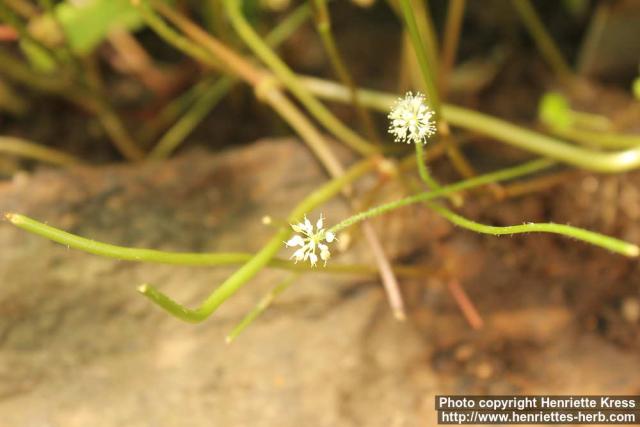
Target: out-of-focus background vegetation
91	89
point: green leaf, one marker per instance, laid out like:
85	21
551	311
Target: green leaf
87	25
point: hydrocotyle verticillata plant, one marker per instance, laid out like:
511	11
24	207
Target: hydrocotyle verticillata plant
312	238
415	119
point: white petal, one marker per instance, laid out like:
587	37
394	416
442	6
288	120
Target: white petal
329	236
313	259
298	228
319	224
325	255
298	255
307	227
295	241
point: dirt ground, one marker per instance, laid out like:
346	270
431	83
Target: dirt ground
80	347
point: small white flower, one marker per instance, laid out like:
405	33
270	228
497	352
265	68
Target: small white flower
310	240
411	119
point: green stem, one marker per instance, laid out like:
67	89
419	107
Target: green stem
543	40
422	56
426	177
162	257
261	258
172	111
606	140
597	239
290	80
422	169
501	130
477	181
194	116
260	308
35	151
455	13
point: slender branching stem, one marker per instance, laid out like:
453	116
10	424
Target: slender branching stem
260	260
597	239
502	175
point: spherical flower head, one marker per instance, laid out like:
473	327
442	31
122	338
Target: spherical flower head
412	119
311	240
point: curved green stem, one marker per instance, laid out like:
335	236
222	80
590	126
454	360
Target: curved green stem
163	257
606	140
594	238
502	175
501	130
290	80
597	239
245	273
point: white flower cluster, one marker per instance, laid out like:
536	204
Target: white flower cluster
310	240
411	119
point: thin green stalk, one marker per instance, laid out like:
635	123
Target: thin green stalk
171	112
290	80
502	175
323	25
427	59
597	239
176	40
422	56
183	127
424	22
543	40
261	307
289	25
426	177
606	140
163	257
21	147
455	13
261	258
501	130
